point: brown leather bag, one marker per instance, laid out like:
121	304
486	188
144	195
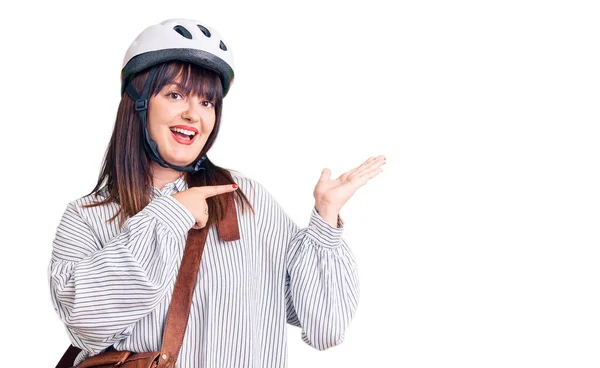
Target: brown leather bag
179	309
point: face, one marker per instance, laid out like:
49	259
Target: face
171	110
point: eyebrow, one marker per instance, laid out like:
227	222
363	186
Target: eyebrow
176	84
182	87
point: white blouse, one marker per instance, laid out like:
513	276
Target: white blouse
113	287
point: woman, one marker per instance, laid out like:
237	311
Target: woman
111	281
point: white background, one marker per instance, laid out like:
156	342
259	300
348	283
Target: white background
477	245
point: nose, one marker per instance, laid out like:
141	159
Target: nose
192	110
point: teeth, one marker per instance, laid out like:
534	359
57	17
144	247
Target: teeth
187	132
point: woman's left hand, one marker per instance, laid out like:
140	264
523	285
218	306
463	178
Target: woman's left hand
331	195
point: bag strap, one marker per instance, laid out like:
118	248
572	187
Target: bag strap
181	301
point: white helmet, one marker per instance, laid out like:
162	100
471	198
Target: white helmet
179	39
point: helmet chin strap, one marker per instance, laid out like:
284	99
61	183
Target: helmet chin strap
141	106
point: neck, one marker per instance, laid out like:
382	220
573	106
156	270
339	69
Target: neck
163	175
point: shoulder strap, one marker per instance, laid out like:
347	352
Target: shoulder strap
181	302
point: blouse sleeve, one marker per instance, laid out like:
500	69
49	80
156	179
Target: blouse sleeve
322	284
101	291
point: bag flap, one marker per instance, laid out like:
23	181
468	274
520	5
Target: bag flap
151	356
109	357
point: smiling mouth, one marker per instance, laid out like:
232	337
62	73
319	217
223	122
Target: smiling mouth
184	138
185	133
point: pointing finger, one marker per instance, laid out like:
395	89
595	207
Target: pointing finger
214	190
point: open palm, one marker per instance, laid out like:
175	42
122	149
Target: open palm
333	194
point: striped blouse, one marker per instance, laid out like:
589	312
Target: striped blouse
113	287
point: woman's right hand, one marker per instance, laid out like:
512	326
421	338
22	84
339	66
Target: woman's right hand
194	199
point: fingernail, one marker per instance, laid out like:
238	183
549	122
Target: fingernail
234	186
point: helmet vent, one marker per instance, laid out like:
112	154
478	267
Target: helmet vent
222	46
183	31
204	30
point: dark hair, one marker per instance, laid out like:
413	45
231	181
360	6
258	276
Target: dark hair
126	170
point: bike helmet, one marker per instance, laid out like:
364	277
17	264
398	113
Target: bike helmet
174	39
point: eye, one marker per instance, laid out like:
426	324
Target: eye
171	94
208	104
